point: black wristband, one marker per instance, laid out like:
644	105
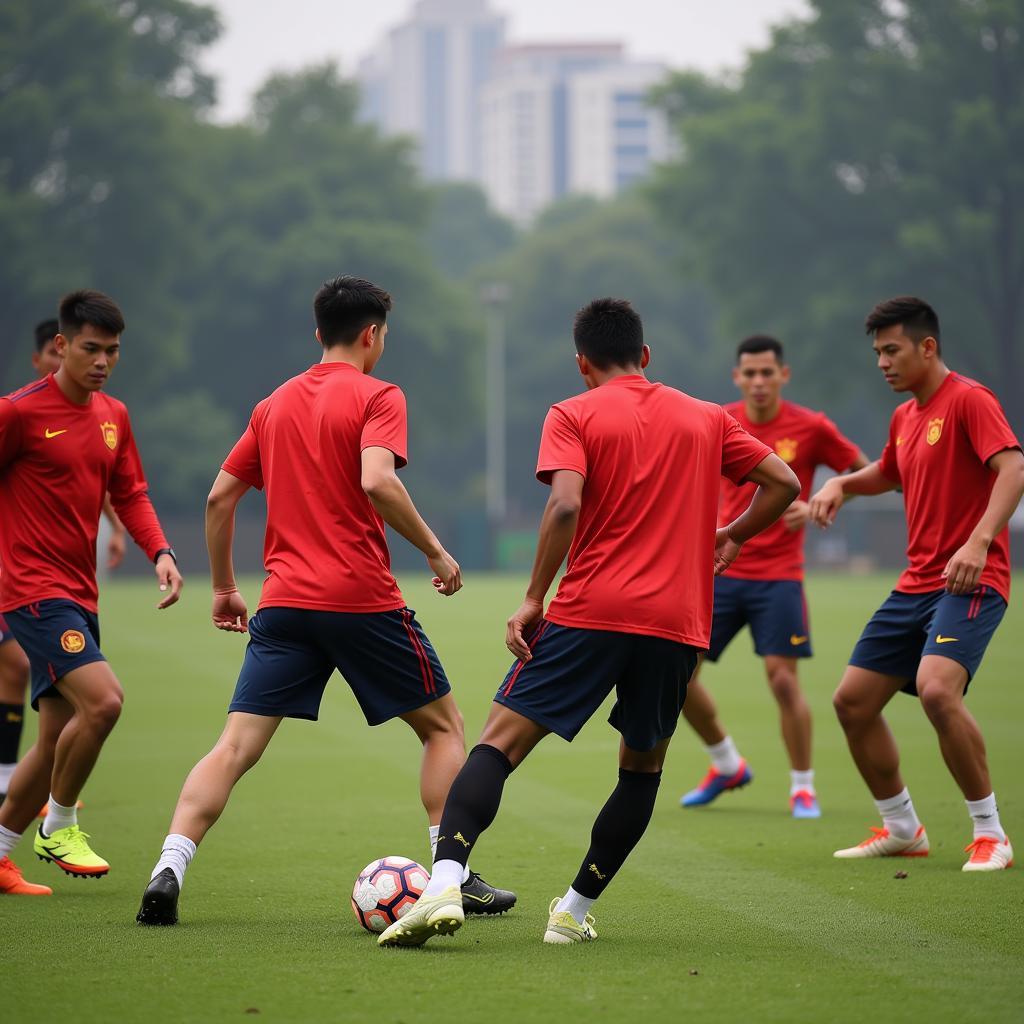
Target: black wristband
165	551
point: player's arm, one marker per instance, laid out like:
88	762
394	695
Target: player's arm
229	612
795	517
116	546
777	487
389	497
869	480
964	569
554	538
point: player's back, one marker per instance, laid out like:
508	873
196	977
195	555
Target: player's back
325	544
652	456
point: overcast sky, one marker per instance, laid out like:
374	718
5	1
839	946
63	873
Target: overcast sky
261	36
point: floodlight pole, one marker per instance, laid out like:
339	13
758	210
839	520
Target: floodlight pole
494	297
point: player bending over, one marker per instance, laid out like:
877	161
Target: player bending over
634	470
63	446
325	445
764	587
962	473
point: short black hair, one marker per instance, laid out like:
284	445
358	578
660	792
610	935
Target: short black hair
918	319
92	308
45	332
609	332
346	305
758	343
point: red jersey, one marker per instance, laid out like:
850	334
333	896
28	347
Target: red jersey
325	547
642	559
805	440
57	462
938	452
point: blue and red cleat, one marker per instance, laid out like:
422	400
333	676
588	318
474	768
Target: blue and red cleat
804	804
714	784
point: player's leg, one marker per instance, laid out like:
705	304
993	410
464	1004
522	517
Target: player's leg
796	727
439	727
728	769
14	676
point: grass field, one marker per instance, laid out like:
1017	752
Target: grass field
732	913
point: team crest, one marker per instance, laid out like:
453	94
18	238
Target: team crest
934	431
72	641
109	434
785	448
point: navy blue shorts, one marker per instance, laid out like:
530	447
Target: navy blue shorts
5	631
573	670
58	636
775	610
909	626
385	658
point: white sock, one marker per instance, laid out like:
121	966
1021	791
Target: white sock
59	816
8	841
801	781
177	854
434	831
898	815
725	757
446	873
6	771
985	816
573	903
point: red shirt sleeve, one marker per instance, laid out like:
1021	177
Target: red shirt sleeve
129	494
835	450
10	432
741	451
561	445
887	460
985	424
243	461
386	424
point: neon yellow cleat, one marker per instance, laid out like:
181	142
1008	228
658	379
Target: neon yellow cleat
429	916
68	849
563	928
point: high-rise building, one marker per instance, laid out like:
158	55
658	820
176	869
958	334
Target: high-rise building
426	80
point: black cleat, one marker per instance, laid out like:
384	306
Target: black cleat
160	900
480	898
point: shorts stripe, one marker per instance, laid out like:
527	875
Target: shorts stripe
976	603
429	685
531	643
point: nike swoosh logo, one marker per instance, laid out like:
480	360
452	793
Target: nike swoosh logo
54	433
796	641
940	639
489	898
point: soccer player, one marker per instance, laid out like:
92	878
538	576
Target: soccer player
63	445
14	667
764	588
634	470
961	470
326	446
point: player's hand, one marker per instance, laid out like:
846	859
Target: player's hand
522	622
825	505
964	569
796	516
170	580
115	549
229	611
726	550
447	574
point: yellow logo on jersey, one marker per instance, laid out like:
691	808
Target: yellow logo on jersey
48	433
934	431
899	440
72	641
785	448
109	434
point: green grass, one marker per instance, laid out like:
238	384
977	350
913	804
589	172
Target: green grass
732	913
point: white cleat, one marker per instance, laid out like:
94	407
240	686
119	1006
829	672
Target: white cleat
989	854
429	916
884	844
563	928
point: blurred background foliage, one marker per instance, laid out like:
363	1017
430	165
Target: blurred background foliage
875	148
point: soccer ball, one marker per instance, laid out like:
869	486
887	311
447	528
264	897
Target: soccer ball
385	890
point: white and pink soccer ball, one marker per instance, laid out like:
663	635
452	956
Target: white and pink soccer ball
385	890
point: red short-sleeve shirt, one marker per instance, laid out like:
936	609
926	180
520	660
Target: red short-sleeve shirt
325	546
642	559
938	452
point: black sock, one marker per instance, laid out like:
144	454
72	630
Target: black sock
12	719
472	802
617	829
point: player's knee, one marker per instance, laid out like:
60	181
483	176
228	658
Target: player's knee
14	669
103	713
939	702
785	686
849	711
